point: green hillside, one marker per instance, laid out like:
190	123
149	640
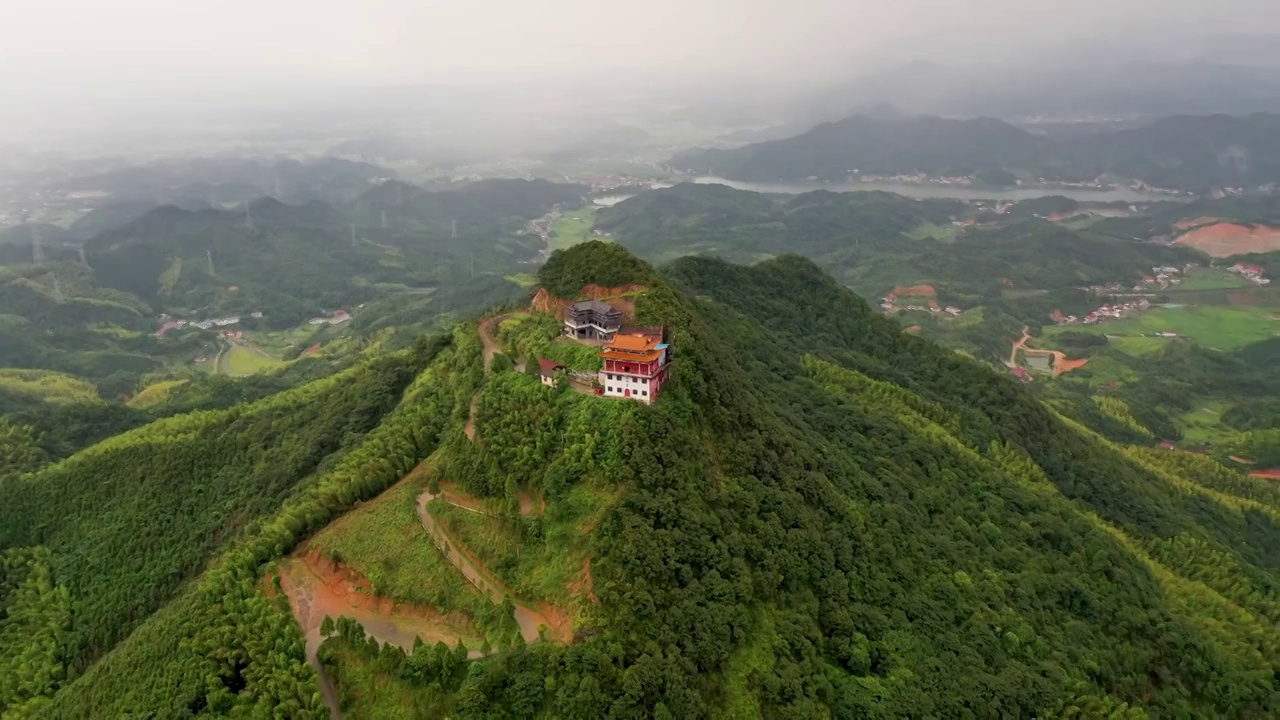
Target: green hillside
1007	270
1195	153
821	516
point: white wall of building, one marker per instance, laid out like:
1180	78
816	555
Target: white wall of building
616	385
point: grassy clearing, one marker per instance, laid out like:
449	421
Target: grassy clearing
1224	328
523	279
384	540
240	361
1103	370
47	385
1138	346
369	693
1202	425
1080	222
115	332
573	227
755	658
278	342
154	394
1213	279
932	231
547	568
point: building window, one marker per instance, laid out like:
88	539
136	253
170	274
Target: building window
644	392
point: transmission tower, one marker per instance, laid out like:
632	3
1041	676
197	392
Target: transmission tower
453	229
248	219
208	254
354	242
83	260
57	291
37	250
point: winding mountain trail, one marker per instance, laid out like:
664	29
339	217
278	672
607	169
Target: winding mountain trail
492	347
1018	345
1060	364
450	494
315	590
530	621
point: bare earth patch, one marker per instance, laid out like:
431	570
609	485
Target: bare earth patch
1227	239
916	291
317	587
584	584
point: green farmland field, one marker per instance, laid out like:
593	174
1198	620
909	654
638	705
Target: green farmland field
1215	326
573	227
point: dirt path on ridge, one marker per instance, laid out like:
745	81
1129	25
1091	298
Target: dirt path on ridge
450	493
492	347
1018	345
527	618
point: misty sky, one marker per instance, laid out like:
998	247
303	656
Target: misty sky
82	67
83	42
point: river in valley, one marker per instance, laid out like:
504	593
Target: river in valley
922	191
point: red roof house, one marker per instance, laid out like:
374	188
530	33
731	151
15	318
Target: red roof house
548	370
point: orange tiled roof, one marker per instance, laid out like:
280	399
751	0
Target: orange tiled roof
633	343
611	354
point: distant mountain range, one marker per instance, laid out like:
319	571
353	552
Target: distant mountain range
1195	153
293	259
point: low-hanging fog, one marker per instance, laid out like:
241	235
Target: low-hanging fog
149	69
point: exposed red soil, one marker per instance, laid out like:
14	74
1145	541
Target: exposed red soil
912	330
1061	363
1270	474
1227	239
317	587
346	585
1064	364
529	501
559	624
916	291
584	585
545	302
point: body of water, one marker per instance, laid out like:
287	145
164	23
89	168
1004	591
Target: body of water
953	192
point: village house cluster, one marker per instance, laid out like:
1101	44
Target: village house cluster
1252	273
1114	311
889	304
168	323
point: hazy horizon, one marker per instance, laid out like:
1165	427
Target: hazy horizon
82	66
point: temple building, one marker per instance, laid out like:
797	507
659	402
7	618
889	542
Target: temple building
635	366
592	320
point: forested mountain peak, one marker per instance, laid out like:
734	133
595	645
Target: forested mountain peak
821	516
